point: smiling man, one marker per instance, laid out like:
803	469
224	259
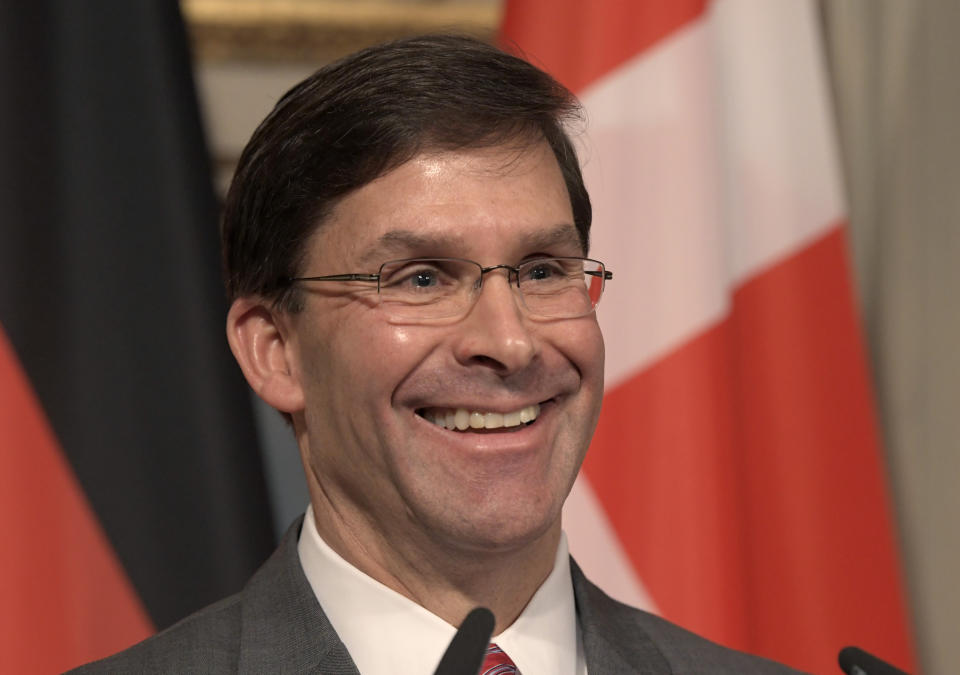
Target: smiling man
405	249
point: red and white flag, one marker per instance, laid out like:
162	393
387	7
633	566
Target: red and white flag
735	484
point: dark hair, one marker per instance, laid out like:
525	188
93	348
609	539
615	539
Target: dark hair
356	119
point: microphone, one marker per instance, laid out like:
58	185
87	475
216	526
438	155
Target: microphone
464	655
855	661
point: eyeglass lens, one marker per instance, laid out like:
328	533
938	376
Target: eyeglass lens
447	287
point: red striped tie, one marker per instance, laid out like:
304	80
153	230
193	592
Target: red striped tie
497	662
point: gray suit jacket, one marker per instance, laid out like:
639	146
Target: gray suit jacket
276	625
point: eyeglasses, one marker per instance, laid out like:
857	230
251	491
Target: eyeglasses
424	289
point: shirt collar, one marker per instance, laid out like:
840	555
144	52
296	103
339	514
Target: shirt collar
386	632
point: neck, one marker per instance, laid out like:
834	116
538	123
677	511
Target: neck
447	580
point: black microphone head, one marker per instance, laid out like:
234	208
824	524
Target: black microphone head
855	661
848	659
465	654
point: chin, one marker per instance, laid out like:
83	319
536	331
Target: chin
502	530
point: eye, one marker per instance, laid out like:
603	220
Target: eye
422	278
417	276
539	272
411	277
543	270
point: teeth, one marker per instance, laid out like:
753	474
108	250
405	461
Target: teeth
462	419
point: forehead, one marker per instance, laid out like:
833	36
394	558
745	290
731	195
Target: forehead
479	203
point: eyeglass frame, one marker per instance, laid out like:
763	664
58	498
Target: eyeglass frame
607	275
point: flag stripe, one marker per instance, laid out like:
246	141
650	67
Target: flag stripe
819	514
57	610
568	46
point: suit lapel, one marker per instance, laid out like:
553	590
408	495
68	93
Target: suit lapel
613	641
283	627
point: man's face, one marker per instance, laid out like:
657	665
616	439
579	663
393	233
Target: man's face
370	384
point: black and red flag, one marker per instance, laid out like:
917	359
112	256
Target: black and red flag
131	490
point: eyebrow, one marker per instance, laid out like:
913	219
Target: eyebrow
409	242
403	242
564	234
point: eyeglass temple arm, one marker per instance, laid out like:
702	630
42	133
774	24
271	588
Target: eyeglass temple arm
339	277
607	274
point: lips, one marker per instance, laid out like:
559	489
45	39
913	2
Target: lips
462	419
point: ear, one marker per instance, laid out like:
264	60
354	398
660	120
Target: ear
258	340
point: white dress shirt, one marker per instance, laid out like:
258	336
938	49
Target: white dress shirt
388	634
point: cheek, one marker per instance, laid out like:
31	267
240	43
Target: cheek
583	345
369	360
598	348
585	350
400	337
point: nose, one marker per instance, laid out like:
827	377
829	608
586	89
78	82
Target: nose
496	333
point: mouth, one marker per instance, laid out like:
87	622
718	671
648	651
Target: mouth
462	419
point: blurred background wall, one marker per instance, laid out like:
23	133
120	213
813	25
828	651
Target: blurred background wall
898	98
897	101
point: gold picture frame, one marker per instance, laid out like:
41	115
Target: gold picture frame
322	30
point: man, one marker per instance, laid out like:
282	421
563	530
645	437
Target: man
405	247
